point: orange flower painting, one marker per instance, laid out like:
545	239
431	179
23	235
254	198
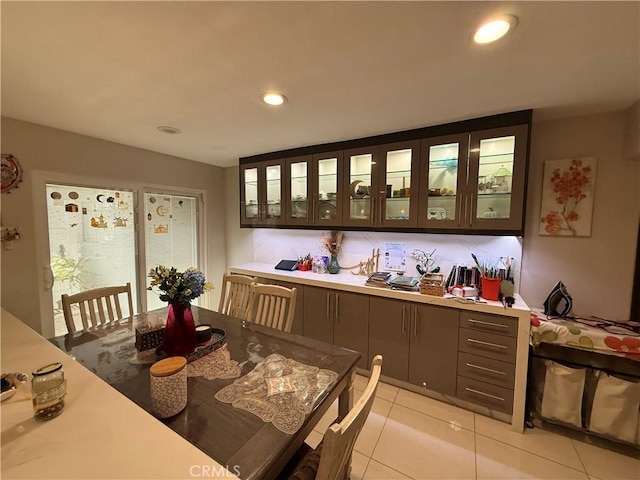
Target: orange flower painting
567	197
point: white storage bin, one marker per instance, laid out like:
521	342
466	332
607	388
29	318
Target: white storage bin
615	408
562	397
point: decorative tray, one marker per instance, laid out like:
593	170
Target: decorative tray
217	340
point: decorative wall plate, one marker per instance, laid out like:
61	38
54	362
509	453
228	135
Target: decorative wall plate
11	172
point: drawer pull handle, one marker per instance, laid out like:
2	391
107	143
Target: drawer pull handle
485	369
488	344
495	397
490	324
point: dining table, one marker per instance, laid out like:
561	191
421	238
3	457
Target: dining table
250	403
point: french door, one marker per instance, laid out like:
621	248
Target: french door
170	234
95	235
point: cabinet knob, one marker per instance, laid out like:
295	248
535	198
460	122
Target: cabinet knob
424	384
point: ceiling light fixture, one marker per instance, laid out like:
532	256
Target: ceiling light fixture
495	28
169	130
273	98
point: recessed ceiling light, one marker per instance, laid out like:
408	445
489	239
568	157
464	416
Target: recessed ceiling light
273	98
495	28
169	130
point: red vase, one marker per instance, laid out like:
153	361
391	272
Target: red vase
180	331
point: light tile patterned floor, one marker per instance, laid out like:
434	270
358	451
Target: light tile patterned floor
409	436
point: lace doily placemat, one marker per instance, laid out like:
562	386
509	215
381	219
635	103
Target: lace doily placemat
217	364
279	390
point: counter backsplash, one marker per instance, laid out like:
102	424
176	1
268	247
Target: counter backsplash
273	245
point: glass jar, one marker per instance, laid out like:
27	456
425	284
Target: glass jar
48	389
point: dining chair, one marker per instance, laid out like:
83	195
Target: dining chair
234	299
331	459
98	306
272	306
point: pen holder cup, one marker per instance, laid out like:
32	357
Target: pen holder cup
490	288
168	386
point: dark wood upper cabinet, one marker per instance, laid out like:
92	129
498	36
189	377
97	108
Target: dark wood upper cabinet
261	193
456	178
474	181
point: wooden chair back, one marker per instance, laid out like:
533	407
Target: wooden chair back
97	307
339	439
235	296
272	306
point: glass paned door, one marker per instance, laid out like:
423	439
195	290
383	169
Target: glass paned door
250	206
362	185
443	181
274	193
327	208
92	242
397	196
171	235
298	193
495	174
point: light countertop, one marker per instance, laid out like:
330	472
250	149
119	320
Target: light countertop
347	281
100	434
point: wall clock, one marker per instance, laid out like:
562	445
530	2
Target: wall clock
11	172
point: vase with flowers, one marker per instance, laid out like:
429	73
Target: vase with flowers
178	289
333	243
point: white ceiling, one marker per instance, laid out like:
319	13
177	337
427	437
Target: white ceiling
117	70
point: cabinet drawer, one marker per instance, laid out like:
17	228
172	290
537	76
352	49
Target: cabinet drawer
486	370
490	345
481	393
489	323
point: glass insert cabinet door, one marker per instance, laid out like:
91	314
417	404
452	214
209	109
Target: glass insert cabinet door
250	208
297	191
397	205
361	186
497	160
273	207
327	194
261	193
443	179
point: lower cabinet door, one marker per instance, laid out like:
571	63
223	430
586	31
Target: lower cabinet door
318	322
433	348
351	323
389	335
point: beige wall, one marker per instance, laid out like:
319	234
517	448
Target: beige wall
598	270
631	141
45	149
239	240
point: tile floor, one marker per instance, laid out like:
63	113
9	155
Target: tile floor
409	436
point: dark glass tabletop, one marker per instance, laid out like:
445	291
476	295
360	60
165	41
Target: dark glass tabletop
249	446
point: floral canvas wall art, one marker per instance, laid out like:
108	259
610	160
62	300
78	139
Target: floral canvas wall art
567	197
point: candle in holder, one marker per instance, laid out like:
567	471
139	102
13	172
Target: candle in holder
203	333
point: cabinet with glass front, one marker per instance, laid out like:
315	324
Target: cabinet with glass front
474	181
261	193
297	190
312	192
380	181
